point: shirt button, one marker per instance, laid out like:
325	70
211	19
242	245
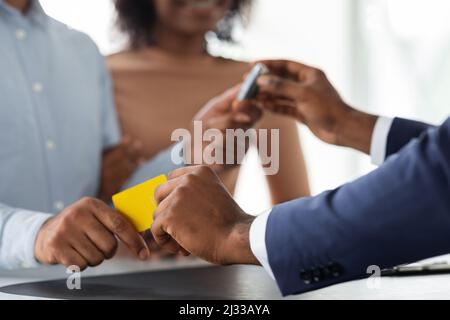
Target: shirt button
37	87
58	205
50	145
21	34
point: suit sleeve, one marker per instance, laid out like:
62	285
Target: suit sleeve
397	214
402	131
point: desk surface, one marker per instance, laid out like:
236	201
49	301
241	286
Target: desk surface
194	278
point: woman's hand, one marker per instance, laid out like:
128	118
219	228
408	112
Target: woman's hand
119	163
221	113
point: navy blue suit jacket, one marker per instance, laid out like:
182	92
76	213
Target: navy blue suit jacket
396	214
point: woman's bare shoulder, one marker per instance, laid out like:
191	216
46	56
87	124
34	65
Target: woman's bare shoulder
119	57
127	60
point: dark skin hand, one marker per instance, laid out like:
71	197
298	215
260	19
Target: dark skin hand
21	5
305	93
222	113
85	234
118	165
196	215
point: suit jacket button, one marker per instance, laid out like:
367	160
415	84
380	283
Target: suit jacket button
326	271
317	275
306	276
336	269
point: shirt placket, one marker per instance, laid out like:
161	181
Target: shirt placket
31	44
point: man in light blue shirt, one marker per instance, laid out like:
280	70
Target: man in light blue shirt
56	119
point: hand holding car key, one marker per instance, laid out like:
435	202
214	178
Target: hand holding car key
249	88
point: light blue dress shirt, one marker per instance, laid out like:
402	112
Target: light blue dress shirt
56	118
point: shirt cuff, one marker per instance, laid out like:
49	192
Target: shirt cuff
379	140
258	241
19	238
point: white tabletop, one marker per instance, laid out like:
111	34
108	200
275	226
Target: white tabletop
417	287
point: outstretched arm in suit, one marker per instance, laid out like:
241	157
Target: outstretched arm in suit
398	213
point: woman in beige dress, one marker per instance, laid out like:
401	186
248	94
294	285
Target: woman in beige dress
166	75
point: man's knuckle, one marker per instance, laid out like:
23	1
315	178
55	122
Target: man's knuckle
96	261
119	224
173	173
182	192
275	82
178	207
154	228
160	211
169	221
74	219
204	171
318	73
156	213
158	192
52	258
189	179
63	216
86	200
54	241
111	248
68	261
65	261
83	265
77	214
63	230
91	202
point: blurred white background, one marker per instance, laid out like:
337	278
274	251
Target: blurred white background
385	56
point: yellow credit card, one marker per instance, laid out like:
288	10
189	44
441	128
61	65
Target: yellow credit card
138	203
